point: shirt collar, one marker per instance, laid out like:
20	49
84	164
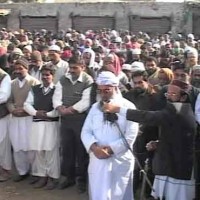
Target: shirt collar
26	78
69	76
51	86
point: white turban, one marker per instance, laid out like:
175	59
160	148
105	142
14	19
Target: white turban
107	78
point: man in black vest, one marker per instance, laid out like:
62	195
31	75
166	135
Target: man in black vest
173	160
72	99
44	134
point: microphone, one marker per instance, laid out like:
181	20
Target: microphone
111	117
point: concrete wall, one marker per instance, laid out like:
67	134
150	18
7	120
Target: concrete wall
121	11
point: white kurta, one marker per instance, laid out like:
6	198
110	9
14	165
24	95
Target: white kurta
44	141
5	90
43	135
173	189
110	179
19	129
5	146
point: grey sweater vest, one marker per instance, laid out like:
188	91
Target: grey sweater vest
71	94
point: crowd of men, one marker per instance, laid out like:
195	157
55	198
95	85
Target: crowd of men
58	97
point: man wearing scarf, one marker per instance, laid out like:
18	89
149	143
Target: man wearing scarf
111	163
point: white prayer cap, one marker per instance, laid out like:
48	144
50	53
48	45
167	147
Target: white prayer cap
54	47
114	33
118	39
17	51
136	51
156	45
29	48
190	36
107	78
192	51
137	66
127	67
68	35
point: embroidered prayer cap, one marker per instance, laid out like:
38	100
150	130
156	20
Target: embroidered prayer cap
22	61
107	78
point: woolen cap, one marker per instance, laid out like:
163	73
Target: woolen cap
22	61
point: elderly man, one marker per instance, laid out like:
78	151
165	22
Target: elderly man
20	120
111	163
5	146
173	160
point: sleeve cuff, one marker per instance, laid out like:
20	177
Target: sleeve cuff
123	111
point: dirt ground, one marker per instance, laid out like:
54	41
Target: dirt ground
23	191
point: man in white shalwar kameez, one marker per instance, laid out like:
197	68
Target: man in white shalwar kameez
20	121
5	146
111	163
44	135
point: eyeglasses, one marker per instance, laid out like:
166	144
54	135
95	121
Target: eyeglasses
170	94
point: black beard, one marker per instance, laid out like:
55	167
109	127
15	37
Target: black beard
138	91
151	71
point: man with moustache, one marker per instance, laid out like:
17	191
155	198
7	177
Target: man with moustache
20	120
44	135
145	97
111	163
36	64
72	99
151	66
62	66
173	161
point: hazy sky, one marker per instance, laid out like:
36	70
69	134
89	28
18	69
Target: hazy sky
51	1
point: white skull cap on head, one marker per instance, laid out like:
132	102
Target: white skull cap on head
137	66
54	47
107	78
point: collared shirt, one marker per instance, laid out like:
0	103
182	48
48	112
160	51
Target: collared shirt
23	81
36	74
46	90
79	79
81	105
62	68
5	89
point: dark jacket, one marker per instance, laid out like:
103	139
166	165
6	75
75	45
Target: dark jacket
174	155
148	100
